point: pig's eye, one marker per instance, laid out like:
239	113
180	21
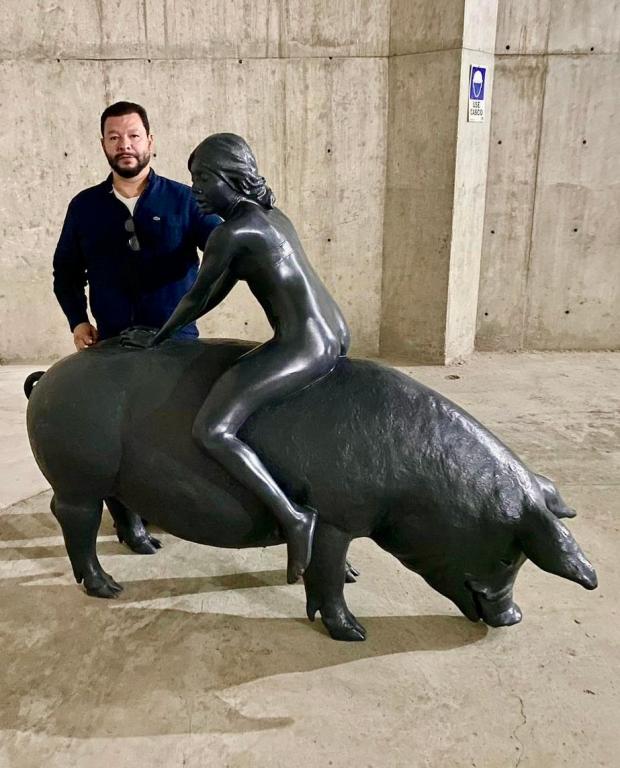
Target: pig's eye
506	563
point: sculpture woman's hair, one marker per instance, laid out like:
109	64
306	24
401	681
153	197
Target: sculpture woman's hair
229	157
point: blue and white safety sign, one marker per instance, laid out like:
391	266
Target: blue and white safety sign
477	84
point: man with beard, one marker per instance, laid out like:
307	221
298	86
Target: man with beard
132	239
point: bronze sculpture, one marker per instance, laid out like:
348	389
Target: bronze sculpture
175	435
258	244
375	452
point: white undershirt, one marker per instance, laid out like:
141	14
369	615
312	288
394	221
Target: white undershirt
130	202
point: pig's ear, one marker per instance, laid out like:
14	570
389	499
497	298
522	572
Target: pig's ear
562	511
549	544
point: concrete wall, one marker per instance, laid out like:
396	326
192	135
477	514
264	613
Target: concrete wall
551	249
436	178
308	83
305	81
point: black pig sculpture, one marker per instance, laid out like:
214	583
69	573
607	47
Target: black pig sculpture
375	452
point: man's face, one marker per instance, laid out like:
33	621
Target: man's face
126	144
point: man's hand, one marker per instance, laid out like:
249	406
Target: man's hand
85	335
139	336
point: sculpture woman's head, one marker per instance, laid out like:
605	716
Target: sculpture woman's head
224	171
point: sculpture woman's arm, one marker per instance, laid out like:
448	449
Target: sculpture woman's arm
213	283
225	286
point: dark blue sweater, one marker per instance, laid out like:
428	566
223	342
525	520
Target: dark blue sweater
127	287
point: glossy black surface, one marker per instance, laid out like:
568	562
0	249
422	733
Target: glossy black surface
375	452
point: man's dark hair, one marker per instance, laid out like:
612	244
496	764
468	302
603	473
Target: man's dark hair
125	108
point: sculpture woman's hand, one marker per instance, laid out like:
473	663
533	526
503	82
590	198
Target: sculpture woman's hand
140	337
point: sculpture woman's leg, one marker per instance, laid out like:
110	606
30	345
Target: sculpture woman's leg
265	374
80	522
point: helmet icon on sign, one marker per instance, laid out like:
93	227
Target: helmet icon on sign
477	84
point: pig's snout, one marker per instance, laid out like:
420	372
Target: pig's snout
498	613
495	608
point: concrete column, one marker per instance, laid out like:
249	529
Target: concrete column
435	178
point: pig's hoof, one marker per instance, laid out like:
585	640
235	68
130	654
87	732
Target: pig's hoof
344	627
101	585
141	543
506	618
339	622
144	545
350	573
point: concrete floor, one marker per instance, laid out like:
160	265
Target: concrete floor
207	659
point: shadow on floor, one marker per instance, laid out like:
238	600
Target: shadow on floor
58	550
29	525
82	667
33	525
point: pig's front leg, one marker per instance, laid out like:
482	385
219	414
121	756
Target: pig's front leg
324	581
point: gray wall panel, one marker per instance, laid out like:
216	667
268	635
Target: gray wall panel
550	272
189	29
574	280
317	127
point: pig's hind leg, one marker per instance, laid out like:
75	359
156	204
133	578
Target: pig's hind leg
324	582
130	529
80	521
350	573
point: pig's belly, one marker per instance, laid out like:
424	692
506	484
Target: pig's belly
187	494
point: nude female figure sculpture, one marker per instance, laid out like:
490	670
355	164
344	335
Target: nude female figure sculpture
256	243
